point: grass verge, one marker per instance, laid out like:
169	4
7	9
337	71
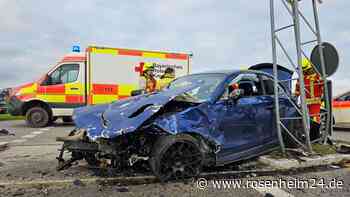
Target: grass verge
7	117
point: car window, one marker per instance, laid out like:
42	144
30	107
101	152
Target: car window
249	83
268	85
66	73
345	97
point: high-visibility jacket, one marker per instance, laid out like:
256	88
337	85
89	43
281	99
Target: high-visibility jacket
164	81
313	89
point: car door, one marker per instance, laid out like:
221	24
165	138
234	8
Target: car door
64	87
246	121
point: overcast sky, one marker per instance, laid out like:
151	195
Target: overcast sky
225	34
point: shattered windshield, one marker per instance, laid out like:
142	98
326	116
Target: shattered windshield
205	86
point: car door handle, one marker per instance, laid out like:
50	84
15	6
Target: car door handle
74	88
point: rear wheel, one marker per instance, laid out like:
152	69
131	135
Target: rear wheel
37	117
176	158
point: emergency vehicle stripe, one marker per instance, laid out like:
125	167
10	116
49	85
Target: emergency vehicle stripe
176	56
105	51
73	59
103	98
131	52
154	55
26	97
74	99
52	98
120	97
55	89
74	89
27	89
104	89
126	89
343	104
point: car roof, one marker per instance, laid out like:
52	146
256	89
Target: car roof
232	72
226	72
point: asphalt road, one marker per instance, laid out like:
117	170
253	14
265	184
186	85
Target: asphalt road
32	152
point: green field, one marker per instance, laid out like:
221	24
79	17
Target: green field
6	117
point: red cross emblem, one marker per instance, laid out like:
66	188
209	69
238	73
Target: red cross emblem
139	68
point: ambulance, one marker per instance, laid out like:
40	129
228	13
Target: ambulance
99	75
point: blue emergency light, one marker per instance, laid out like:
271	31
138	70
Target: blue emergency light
76	49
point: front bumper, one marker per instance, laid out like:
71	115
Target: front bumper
14	106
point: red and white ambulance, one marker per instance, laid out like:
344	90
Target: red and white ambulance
97	76
341	108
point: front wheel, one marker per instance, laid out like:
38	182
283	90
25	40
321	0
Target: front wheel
176	158
37	117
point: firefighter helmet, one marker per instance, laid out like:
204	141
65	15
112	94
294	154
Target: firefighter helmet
306	65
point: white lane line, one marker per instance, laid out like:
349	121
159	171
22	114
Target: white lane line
274	191
3	144
37	132
18	141
28	136
44	129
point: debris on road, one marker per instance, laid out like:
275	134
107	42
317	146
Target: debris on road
343	149
3	146
78	182
4	132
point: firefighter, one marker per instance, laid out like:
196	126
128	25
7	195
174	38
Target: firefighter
149	82
313	90
166	78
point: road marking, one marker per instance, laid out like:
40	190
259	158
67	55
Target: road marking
274	191
18	141
28	136
37	132
44	129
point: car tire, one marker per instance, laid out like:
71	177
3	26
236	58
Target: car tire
176	157
67	119
37	117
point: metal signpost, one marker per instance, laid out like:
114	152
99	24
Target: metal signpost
292	6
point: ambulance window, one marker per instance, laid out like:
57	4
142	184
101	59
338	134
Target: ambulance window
69	73
66	73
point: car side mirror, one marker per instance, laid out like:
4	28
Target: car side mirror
46	80
236	94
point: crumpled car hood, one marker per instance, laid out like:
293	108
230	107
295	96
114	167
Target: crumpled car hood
125	116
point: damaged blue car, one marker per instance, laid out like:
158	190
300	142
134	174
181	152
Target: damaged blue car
199	120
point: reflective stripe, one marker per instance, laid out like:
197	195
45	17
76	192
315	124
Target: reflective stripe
176	56
29	89
312	89
154	55
106	89
52	98
126	89
313	100
105	51
129	52
101	99
74	99
53	89
132	52
74	89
